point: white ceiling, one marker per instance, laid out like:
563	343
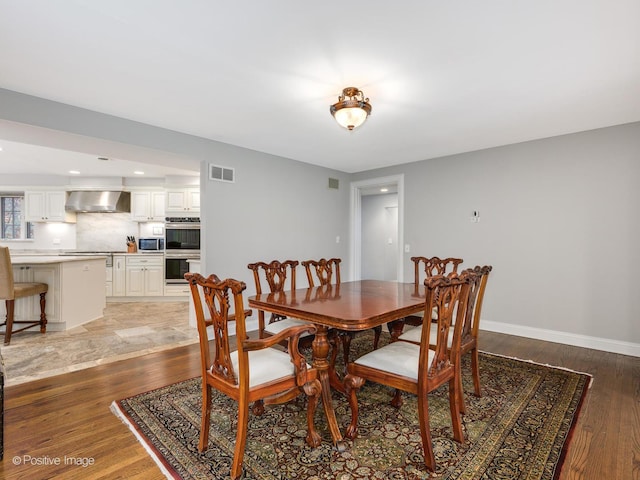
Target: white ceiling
443	77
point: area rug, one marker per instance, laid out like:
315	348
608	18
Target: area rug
519	429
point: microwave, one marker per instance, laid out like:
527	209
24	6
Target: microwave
150	244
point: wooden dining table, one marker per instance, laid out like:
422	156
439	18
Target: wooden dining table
348	306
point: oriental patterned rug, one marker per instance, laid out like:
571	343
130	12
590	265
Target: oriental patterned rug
520	428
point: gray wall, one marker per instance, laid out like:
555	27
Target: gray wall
277	209
558	222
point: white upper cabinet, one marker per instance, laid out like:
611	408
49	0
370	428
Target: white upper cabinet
47	206
148	206
183	201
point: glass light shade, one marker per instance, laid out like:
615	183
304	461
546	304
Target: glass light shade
351	117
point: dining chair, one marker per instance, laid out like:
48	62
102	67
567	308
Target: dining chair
255	371
470	329
418	369
277	277
326	272
10	291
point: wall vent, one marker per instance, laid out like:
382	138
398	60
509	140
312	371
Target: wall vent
222	174
334	183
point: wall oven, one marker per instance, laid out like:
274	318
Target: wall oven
175	266
182	243
182	235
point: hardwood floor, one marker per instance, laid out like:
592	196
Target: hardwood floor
69	415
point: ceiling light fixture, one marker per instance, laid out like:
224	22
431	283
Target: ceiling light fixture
74	172
138	172
352	108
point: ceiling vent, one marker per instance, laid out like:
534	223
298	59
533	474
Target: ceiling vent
222	174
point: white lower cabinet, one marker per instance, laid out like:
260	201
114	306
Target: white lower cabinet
144	276
119	279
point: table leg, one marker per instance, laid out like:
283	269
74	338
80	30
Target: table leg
321	363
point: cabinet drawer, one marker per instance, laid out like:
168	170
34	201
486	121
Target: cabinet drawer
146	260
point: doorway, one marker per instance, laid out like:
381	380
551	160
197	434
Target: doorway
359	191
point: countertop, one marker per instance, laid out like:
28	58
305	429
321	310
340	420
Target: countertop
46	259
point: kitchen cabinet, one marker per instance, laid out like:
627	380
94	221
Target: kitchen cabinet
144	275
183	201
119	279
47	206
148	206
109	280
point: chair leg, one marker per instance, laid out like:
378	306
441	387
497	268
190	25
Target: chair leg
313	391
396	401
376	336
43	315
241	438
454	407
425	431
10	304
395	329
352	384
475	370
460	392
206	417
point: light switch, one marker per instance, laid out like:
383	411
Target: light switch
407	248
338	239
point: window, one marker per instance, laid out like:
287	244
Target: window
13	226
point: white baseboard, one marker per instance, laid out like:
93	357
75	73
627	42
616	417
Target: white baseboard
604	344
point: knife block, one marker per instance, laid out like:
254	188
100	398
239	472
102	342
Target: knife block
131	247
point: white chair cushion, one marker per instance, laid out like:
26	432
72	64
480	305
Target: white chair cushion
280	325
415	335
399	358
266	365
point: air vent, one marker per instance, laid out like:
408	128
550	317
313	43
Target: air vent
334	183
222	174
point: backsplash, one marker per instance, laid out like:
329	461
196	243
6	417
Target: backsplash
92	232
104	231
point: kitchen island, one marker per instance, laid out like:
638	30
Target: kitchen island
76	289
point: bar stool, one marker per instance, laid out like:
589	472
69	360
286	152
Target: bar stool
10	291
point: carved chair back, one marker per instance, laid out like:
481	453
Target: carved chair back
474	305
326	271
213	294
434	266
277	277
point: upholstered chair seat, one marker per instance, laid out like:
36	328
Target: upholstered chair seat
397	358
274	328
267	366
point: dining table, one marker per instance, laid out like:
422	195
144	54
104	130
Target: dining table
349	307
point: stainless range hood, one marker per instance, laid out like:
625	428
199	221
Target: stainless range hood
92	201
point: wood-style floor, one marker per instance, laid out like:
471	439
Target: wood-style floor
69	415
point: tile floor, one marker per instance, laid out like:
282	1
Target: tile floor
126	330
